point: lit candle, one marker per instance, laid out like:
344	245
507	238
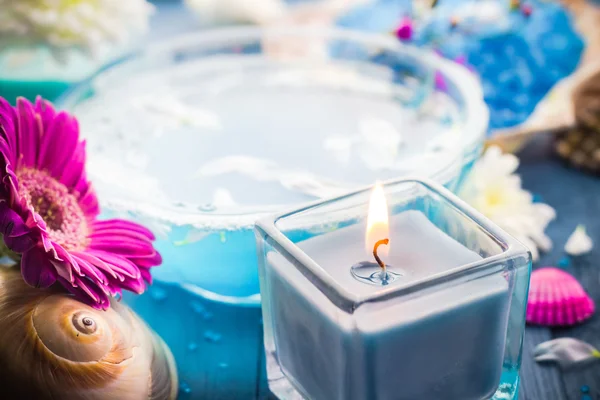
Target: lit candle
430	325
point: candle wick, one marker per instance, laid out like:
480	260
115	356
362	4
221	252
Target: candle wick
381	263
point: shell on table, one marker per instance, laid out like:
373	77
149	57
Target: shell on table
557	299
54	347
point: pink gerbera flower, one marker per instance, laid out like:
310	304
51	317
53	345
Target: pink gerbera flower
48	210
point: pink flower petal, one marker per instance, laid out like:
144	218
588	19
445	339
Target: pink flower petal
36	269
58	145
89	270
89	203
96	262
119	264
29	133
127	234
123	246
8	128
147	262
122	224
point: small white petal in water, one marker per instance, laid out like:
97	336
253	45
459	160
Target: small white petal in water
566	352
172	112
263	170
193	236
579	242
493	188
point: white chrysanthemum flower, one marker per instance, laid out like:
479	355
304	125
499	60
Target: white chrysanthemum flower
85	24
495	190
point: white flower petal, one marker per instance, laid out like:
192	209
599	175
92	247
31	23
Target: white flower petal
544	213
579	242
494	189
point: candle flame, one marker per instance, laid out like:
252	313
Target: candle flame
377	222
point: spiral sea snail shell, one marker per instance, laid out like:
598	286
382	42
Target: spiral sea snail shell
54	347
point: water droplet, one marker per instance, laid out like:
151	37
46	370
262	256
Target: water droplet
212	337
185	388
370	272
192	346
223	365
223	237
158	294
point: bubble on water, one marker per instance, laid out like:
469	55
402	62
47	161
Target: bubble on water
192	346
185	388
158	294
212	337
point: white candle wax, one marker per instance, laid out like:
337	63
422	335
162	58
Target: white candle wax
417	250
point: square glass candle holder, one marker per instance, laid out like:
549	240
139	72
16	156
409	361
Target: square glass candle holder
448	324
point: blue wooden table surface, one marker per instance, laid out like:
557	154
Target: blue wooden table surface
576	198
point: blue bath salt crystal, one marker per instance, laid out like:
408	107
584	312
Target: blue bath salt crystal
585	389
519	58
564	262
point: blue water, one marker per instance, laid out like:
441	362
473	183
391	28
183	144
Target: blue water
217	346
222	262
216	339
518	58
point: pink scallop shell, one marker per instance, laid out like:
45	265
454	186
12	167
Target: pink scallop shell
557	299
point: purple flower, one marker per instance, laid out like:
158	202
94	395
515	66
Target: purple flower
48	210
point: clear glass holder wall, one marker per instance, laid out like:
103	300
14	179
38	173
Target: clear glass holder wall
455	334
